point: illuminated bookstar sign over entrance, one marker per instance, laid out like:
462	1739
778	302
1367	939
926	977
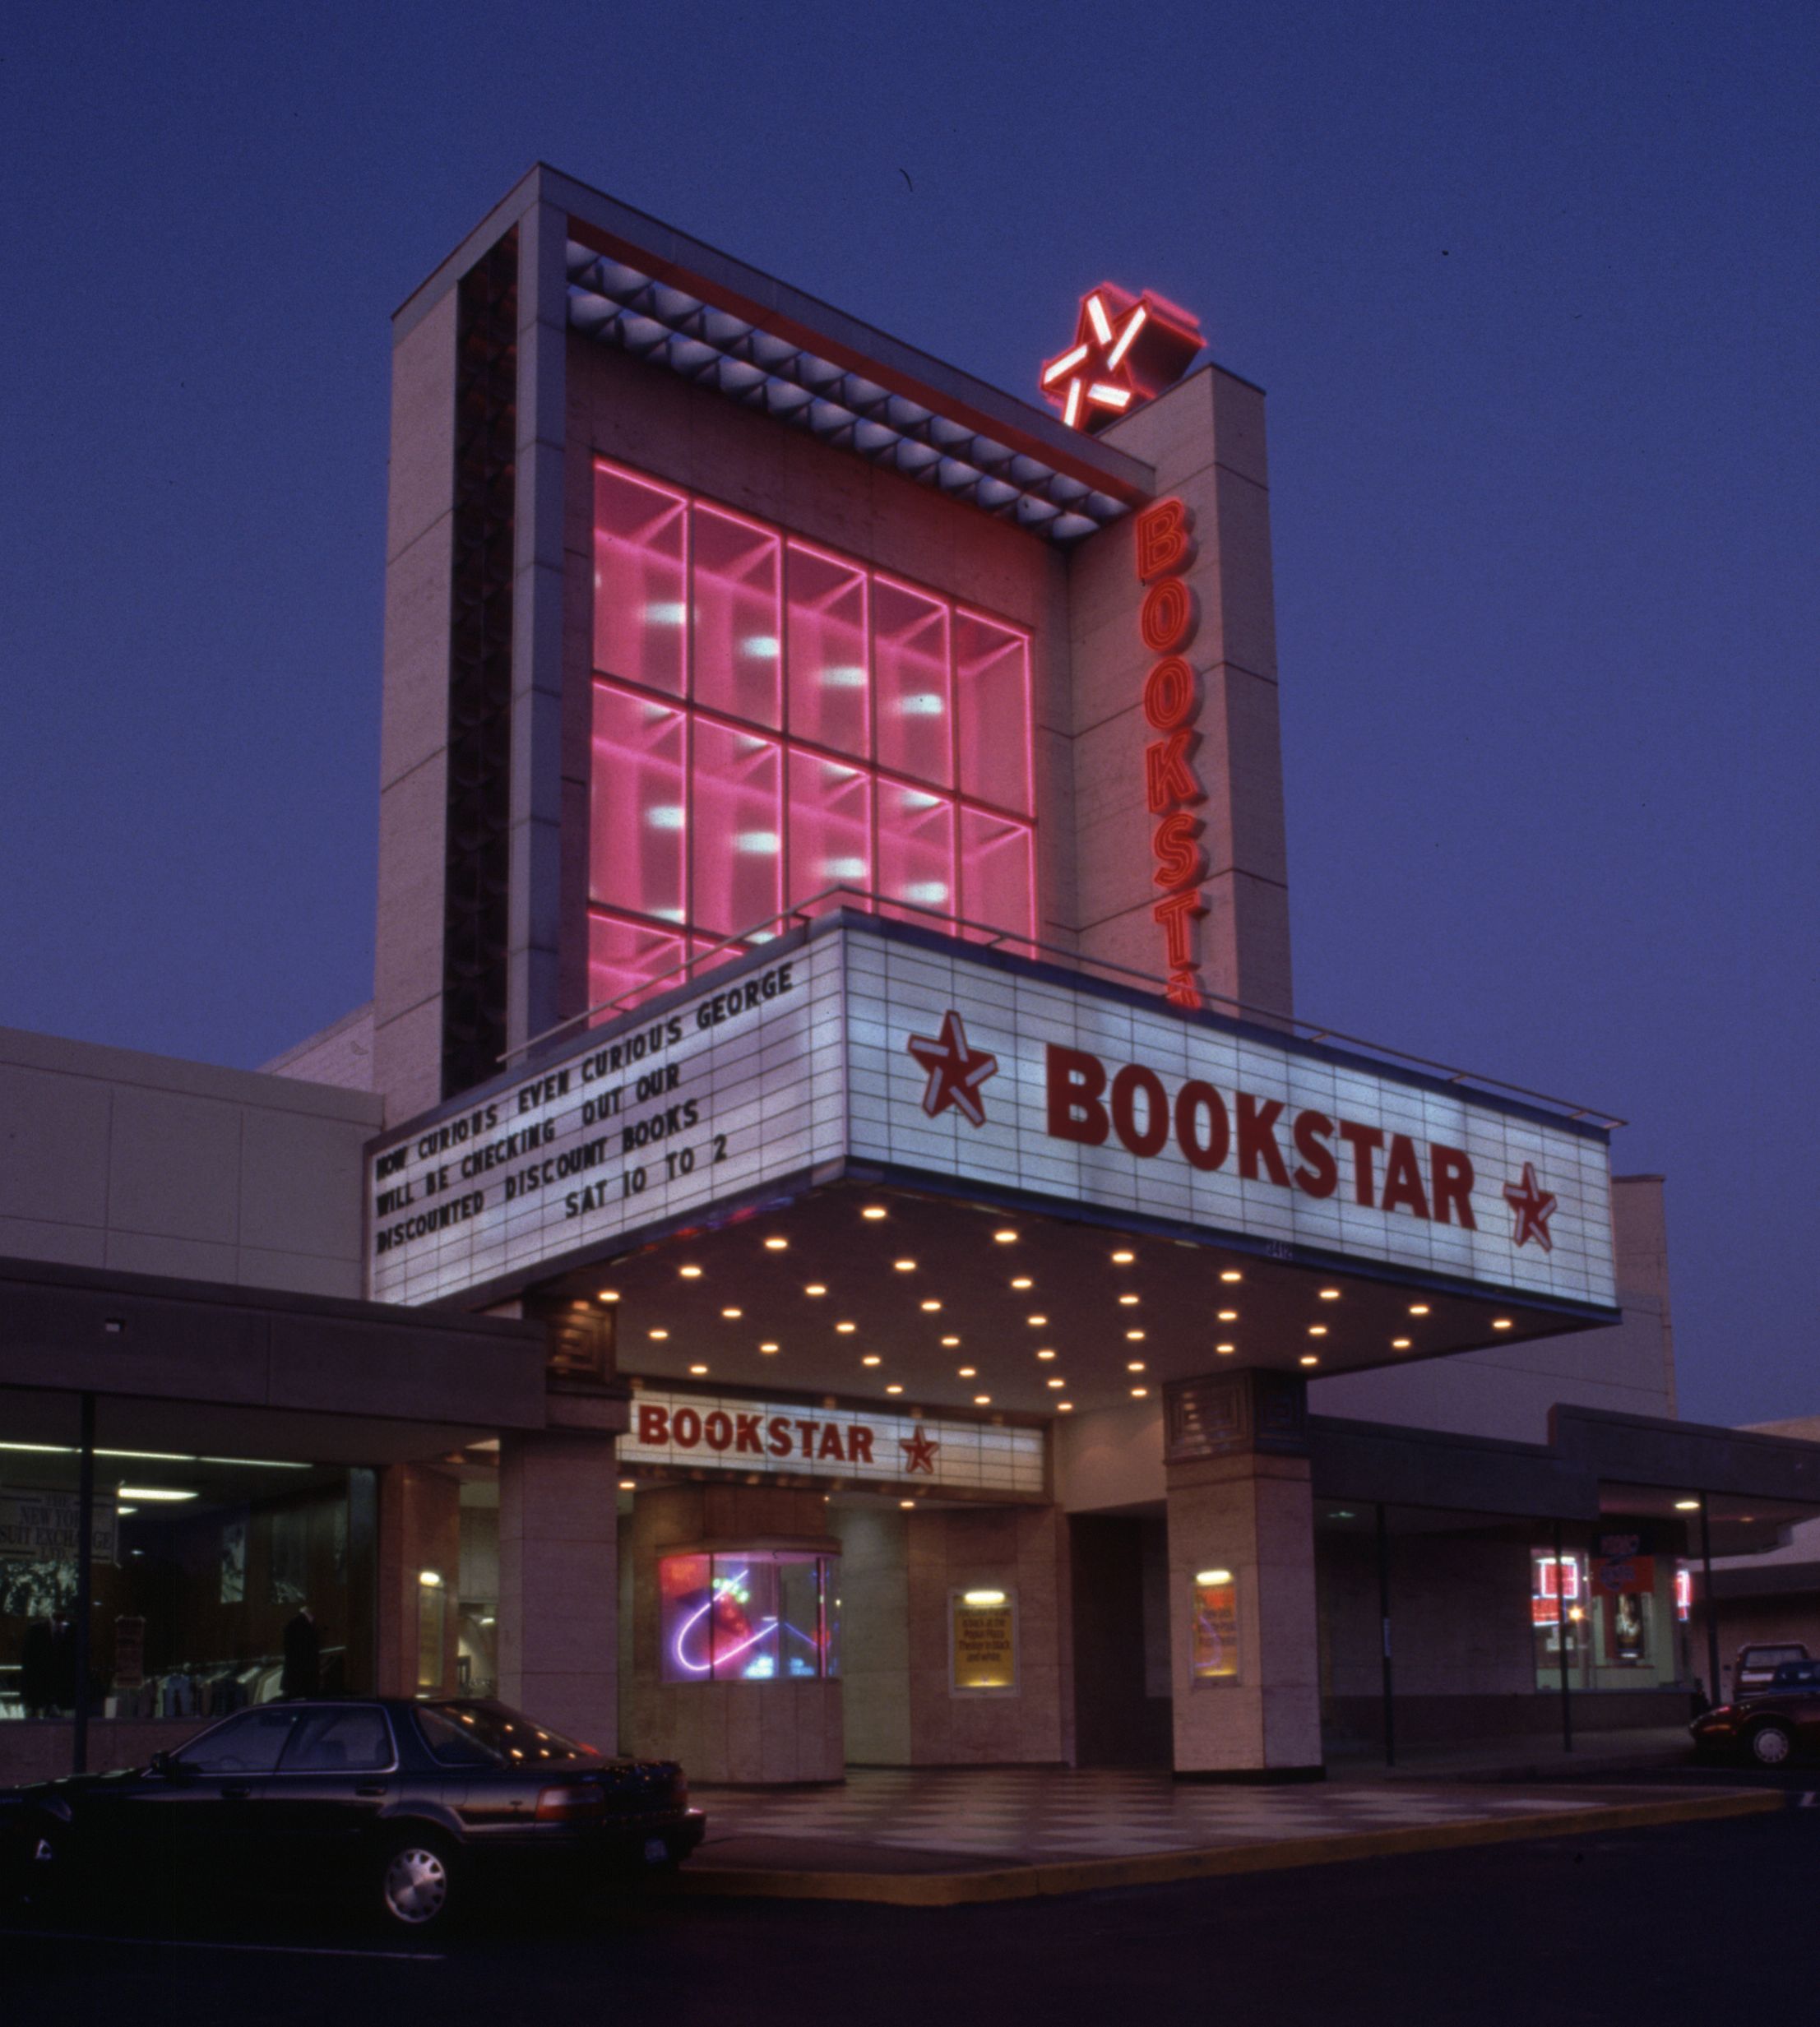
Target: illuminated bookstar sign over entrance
905	1054
1127	350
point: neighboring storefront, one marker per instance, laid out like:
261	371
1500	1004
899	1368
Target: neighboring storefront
833	1003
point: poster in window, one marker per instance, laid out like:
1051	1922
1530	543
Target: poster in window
1214	1655
234	1560
983	1642
290	1543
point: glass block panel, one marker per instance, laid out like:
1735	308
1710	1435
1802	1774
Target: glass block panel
638	835
830	693
830	827
916	850
739	618
641	598
736	836
992	678
629	960
997	886
915	731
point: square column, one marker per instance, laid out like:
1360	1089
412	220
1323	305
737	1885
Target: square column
560	1582
1244	1639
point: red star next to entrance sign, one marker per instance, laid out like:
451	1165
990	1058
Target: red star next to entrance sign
918	1452
956	1071
1127	350
1533	1206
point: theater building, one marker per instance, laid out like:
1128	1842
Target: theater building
834	1070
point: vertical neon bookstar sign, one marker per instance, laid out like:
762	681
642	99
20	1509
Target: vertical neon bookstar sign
1168	621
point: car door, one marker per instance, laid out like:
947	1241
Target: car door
193	1819
339	1774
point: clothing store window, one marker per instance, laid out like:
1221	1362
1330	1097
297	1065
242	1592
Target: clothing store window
38	1539
225	1573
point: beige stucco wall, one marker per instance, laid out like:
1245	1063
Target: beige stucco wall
111	1158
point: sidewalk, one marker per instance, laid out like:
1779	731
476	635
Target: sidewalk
1542	1758
941	1837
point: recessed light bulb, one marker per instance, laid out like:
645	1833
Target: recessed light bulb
658	1337
1231	1273
950	1342
1057	1382
905	1267
1229	1316
698	1370
1134	1365
733	1315
1023	1280
982	1400
969	1372
872	1357
775	1245
1047	1352
1134	1337
815	1288
894	1388
1037	1322
846	1329
1122	1259
873	1211
690	1274
1005	1238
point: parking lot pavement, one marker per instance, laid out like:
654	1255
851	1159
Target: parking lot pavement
1695	1922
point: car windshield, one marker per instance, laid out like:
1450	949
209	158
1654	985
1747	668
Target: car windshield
494	1735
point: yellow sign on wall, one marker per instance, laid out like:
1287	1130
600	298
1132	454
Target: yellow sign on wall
982	1641
1214	1649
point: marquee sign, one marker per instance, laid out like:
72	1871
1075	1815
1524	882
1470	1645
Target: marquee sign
860	1041
858	1445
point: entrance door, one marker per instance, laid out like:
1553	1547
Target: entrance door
1123	1714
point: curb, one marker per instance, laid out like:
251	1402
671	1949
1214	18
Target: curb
1029	1882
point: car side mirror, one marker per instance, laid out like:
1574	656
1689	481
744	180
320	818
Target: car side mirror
169	1765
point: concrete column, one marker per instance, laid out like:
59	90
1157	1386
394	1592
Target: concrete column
420	1535
534	934
1239	1500
1205	439
560	1582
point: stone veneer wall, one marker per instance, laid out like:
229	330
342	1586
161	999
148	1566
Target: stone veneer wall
1021	1548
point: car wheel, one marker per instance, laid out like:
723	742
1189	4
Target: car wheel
1772	1745
416	1878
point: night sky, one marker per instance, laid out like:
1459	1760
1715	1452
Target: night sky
1532	288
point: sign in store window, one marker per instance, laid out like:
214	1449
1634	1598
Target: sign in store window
983	1642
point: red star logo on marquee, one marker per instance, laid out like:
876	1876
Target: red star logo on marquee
956	1071
918	1452
1127	350
1534	1207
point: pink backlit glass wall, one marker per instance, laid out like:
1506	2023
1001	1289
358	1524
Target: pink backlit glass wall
772	720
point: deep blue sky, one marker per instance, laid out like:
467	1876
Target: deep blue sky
1533	288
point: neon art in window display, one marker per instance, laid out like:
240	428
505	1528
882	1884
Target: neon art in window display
755	1616
772	720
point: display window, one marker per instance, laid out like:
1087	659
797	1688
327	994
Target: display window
772	720
763	1615
217	1582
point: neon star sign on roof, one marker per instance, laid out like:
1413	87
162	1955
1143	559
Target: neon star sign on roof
1127	350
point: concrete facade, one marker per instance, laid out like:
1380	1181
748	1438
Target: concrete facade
110	1158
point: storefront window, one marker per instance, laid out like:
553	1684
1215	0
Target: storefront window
218	1582
1605	1607
771	720
755	1617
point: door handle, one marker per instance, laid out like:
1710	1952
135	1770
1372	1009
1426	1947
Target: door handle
371	1788
236	1790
